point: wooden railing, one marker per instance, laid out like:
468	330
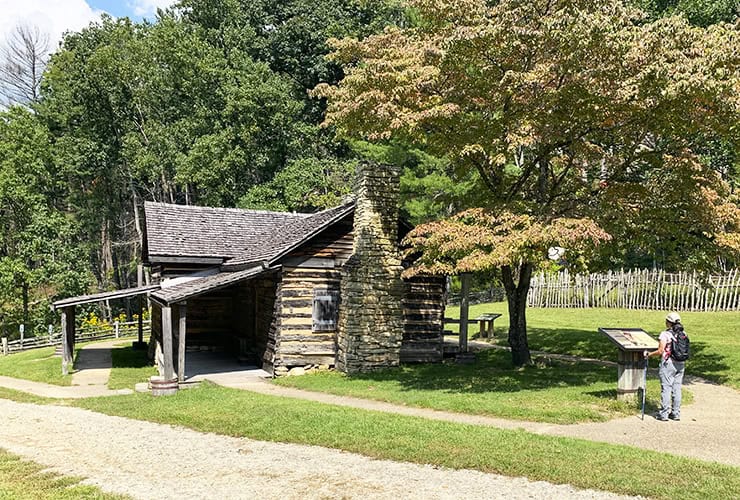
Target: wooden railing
116	330
637	289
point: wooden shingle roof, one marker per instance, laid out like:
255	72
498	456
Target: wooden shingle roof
272	245
181	231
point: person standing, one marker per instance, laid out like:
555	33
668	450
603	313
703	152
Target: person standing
670	371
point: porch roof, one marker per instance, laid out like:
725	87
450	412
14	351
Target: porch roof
198	286
97	297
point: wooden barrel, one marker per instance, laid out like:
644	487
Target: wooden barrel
162	387
630	366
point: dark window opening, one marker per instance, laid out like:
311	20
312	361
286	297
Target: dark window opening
325	310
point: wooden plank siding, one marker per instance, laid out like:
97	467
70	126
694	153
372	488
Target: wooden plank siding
315	265
423	311
299	344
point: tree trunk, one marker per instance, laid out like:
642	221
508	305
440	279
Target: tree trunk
516	296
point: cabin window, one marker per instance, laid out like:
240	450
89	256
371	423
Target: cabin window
325	310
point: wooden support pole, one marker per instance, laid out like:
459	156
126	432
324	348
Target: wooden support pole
181	331
5	346
140	324
464	306
68	338
169	370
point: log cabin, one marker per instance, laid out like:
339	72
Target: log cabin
283	290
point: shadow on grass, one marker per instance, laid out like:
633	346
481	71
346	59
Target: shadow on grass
128	357
592	344
492	372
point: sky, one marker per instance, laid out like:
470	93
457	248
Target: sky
57	16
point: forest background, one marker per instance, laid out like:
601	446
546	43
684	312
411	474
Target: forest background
207	105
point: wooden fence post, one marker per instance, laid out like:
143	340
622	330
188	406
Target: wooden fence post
5	346
22	329
117	329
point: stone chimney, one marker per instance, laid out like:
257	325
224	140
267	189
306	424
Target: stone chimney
371	313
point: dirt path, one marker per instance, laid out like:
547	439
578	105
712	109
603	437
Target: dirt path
153	461
94	363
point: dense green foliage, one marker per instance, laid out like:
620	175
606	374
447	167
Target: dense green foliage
210	104
207	105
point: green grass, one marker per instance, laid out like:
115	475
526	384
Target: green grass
24	480
557	392
129	368
24	397
715	344
38	365
581	463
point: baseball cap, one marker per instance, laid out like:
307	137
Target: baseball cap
673	318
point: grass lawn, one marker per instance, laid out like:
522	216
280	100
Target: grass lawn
558	392
129	367
584	464
24	397
38	365
715	343
24	480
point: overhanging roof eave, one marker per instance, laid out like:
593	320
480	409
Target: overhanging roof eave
97	297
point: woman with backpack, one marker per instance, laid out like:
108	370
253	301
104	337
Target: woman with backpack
673	351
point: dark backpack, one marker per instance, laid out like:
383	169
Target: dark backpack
680	348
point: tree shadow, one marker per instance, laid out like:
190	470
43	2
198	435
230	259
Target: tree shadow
492	372
592	344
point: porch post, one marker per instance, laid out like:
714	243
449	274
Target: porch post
169	370
181	330
464	356
68	338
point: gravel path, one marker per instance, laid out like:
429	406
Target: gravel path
154	461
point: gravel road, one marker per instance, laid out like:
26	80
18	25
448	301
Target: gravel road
154	461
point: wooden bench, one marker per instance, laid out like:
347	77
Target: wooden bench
485	324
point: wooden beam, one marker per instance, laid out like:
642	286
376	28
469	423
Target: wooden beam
181	331
169	369
464	306
68	338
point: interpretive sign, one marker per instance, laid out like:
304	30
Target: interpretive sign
630	339
630	360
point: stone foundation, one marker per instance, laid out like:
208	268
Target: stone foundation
371	316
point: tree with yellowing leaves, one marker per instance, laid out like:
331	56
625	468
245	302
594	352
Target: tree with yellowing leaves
580	116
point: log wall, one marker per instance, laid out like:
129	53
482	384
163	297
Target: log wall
423	312
299	345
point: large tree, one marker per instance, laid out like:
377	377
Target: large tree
568	109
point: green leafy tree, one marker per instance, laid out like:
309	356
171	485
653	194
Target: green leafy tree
562	107
40	254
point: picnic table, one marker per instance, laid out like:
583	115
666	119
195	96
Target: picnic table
485	324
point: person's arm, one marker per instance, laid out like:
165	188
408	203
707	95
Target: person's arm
659	352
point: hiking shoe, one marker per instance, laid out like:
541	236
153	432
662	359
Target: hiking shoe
660	417
673	417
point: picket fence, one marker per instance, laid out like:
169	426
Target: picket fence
115	330
637	289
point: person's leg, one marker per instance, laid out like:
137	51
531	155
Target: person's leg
666	374
676	388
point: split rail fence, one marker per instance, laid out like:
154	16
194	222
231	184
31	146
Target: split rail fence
637	289
115	330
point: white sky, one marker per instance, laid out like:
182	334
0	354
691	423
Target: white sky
57	16
51	16
148	7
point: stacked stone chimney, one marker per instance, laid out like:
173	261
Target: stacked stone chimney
371	313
